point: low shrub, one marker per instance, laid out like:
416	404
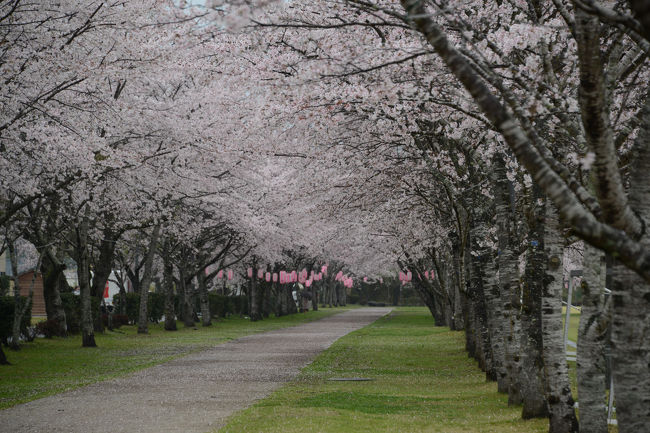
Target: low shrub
120	320
47	328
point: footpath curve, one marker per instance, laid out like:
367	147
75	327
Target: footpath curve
195	393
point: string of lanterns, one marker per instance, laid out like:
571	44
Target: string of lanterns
307	278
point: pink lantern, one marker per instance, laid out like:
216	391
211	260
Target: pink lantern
220	273
431	273
268	277
409	276
381	280
401	276
250	272
230	274
282	277
275	277
323	269
365	279
426	274
308	283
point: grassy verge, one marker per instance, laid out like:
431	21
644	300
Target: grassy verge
46	367
423	382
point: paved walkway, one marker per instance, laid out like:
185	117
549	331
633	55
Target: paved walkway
195	393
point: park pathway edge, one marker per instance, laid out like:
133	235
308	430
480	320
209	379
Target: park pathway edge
195	393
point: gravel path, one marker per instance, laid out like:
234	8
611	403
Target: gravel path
195	393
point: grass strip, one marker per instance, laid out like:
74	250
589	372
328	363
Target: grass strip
423	382
50	366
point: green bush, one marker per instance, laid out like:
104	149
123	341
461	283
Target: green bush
47	328
5	284
239	304
155	306
7	317
352	299
72	308
220	305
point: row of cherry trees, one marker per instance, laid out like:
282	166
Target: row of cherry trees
476	139
482	140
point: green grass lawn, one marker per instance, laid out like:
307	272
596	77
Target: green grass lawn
46	367
423	382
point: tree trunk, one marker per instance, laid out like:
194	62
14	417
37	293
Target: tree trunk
168	282
143	317
631	304
282	299
478	287
204	300
3	357
330	293
20	308
562	416
314	296
592	333
508	283
532	365
188	308
255	314
102	271
53	280
266	302
291	304
83	275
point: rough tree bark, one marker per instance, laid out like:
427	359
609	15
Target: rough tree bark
532	363
478	284
562	416
631	304
508	288
592	333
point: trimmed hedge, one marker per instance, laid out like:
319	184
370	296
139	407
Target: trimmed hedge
7	317
220	305
224	306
